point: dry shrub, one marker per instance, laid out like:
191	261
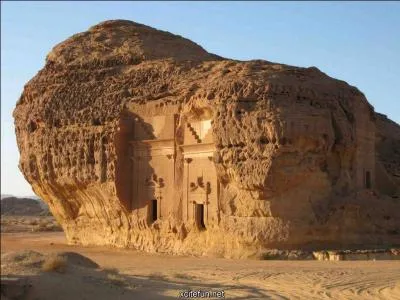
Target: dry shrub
55	263
38	228
184	276
111	270
50	227
116	279
46	226
33	222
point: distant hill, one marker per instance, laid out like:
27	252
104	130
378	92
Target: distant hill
27	206
20	197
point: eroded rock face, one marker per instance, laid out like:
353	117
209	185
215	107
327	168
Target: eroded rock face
140	138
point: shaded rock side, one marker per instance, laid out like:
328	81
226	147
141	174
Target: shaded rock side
139	138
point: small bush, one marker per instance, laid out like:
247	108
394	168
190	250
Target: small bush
50	227
116	279
33	222
55	263
184	276
114	271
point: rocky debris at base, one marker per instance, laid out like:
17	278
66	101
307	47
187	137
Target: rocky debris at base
374	254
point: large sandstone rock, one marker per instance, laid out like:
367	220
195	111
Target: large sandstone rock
139	138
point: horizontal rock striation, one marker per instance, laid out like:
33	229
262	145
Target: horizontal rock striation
140	138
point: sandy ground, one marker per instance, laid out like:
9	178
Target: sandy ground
127	274
13	224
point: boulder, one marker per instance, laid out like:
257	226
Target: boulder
139	138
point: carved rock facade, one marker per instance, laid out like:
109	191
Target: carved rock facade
139	138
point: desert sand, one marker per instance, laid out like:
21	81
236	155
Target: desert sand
129	274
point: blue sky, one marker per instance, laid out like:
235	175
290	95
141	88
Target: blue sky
358	42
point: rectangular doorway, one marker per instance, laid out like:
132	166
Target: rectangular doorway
368	179
153	210
199	210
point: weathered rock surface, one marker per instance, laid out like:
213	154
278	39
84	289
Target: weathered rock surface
139	138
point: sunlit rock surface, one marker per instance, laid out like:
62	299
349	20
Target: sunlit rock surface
139	138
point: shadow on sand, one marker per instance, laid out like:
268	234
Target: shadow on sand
83	279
